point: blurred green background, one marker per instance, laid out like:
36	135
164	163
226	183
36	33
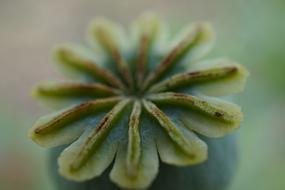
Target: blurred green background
249	31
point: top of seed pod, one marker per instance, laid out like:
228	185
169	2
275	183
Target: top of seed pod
137	97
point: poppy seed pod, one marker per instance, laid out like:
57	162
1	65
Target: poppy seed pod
142	111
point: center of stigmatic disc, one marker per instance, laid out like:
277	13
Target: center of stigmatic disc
135	91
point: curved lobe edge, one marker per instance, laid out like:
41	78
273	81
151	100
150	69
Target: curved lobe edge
146	171
66	125
88	157
193	148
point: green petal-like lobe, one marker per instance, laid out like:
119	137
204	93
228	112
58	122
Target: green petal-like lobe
213	127
210	108
97	162
74	90
224	86
171	154
145	31
208	116
108	36
197	35
92	153
147	24
65	126
194	78
134	140
54	138
190	145
84	66
202	43
147	167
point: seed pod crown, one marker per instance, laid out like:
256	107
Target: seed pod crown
136	97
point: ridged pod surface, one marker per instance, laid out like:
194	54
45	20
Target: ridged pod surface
138	107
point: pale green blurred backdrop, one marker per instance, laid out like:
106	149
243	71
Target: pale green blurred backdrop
249	31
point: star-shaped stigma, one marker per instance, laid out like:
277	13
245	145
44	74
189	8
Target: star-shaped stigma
138	98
